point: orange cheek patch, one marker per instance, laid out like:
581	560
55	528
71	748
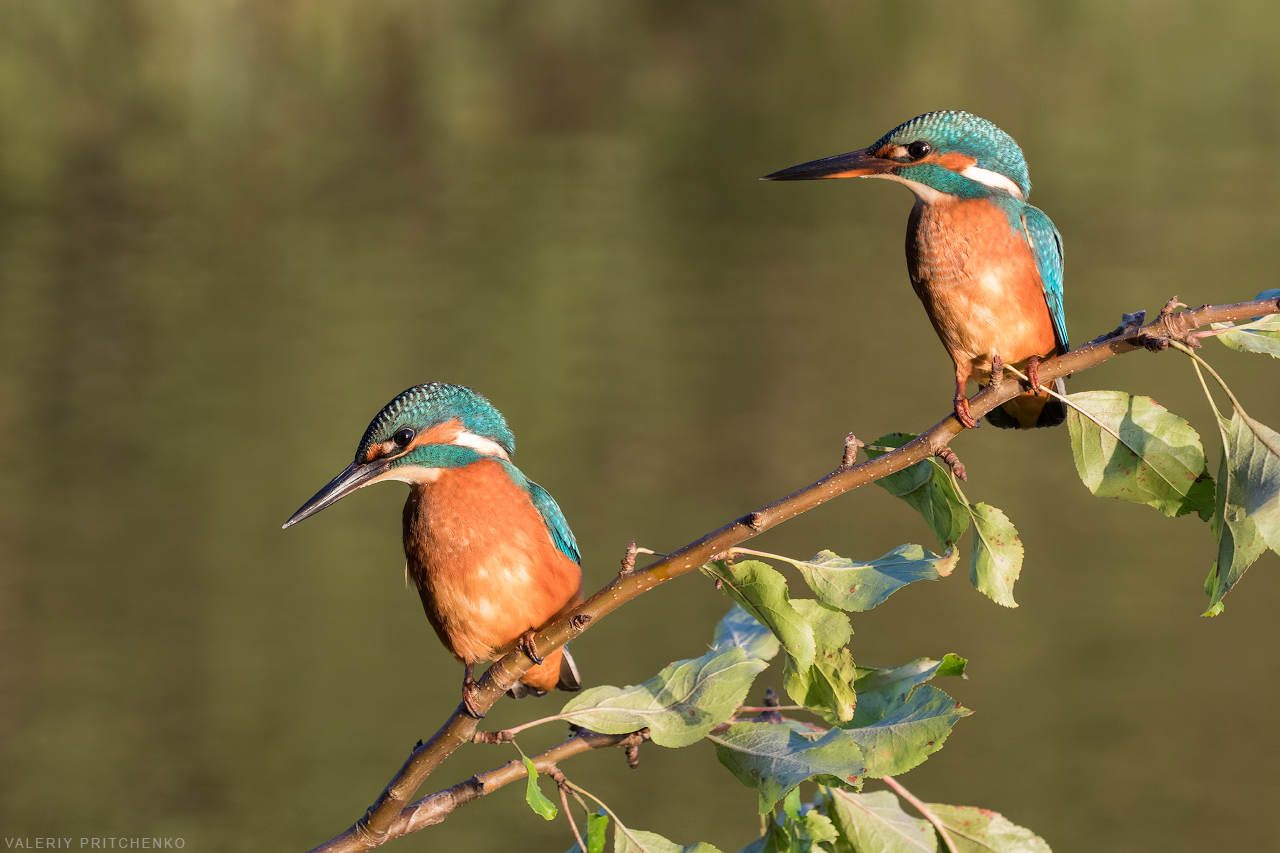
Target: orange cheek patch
445	433
953	160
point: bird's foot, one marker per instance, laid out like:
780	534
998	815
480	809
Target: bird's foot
527	646
470	693
1033	374
962	413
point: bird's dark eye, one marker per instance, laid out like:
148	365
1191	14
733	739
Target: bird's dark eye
919	149
403	437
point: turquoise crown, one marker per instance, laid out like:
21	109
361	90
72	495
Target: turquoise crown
423	406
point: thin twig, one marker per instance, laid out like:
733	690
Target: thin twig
563	785
923	809
433	809
372	829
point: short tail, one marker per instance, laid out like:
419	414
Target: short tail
1028	411
558	671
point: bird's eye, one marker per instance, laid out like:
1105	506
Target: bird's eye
919	149
403	437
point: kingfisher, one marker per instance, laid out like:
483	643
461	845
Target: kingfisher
985	263
488	549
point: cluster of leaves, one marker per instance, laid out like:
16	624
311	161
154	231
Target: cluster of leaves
1132	448
895	719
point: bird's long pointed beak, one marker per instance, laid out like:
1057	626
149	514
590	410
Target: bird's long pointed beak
352	477
855	164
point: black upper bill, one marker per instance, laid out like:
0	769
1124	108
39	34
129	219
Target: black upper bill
855	164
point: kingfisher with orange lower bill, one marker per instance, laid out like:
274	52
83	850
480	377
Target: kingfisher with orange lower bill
986	265
489	550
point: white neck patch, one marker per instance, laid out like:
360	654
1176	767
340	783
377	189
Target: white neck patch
480	444
414	475
925	193
992	179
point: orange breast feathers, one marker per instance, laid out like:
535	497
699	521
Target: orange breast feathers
485	564
978	280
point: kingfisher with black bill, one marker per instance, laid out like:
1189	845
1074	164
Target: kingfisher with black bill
488	549
985	263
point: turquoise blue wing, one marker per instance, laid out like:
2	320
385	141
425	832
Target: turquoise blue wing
555	521
1046	243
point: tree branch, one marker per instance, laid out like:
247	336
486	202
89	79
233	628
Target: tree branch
386	813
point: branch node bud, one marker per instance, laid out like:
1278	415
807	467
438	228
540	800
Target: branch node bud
949	458
1169	307
629	559
997	372
580	622
851	445
770	701
504	736
756	520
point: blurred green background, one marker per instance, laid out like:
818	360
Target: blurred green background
231	231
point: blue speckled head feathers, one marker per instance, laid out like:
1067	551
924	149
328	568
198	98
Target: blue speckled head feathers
967	134
424	406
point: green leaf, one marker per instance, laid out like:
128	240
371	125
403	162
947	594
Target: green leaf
639	841
1158	461
533	794
819	672
997	554
907	731
927	487
851	585
597	823
774	759
826	685
679	705
814	826
1261	334
1255	466
881	690
762	592
876	822
1247	517
982	831
740	628
791	803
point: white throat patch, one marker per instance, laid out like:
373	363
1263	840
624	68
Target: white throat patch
992	179
924	192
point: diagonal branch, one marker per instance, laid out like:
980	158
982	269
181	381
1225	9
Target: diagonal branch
375	826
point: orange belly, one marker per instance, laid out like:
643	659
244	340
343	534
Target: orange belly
979	284
485	565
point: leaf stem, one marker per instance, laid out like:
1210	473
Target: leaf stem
619	824
1178	345
922	808
515	730
760	709
568	815
1217	415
